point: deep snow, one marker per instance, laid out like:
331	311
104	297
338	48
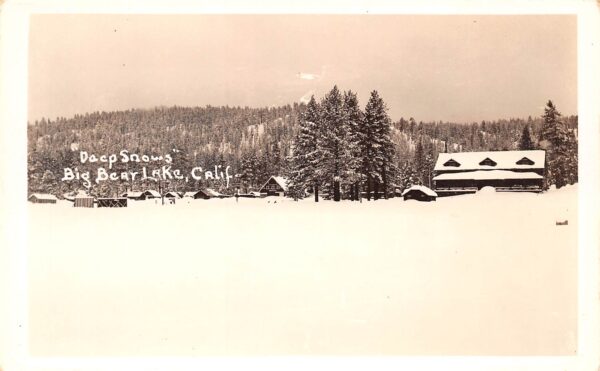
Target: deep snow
489	273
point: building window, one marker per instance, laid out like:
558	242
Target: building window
488	162
452	163
525	161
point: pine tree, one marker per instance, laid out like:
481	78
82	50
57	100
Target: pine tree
554	138
333	143
407	175
429	163
379	158
354	118
419	162
526	143
249	175
305	153
572	173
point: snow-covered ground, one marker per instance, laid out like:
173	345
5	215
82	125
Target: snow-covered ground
489	273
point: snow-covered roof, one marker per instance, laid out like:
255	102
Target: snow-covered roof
212	192
172	193
502	160
43	196
82	195
421	188
488	175
134	194
190	194
280	180
153	192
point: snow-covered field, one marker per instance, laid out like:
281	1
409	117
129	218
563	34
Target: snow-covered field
489	273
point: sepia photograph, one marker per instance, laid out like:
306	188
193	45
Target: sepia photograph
301	185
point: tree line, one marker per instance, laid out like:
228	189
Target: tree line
342	149
332	146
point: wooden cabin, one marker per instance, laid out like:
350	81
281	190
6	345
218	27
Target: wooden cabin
215	194
83	200
150	193
419	193
42	198
275	186
134	195
467	172
112	202
197	195
172	195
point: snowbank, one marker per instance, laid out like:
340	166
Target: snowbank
277	277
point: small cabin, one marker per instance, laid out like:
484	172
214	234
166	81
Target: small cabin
134	195
419	193
112	202
172	195
197	195
83	200
42	198
215	194
150	193
275	186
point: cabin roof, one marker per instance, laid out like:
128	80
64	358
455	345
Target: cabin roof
503	160
82	195
132	194
488	175
43	196
280	180
211	192
427	191
152	192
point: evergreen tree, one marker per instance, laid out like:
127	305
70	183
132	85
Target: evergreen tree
333	143
526	143
554	138
419	162
380	155
249	175
305	156
354	118
572	158
429	163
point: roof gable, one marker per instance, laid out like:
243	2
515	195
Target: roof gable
488	162
281	182
43	196
503	160
151	192
525	161
452	163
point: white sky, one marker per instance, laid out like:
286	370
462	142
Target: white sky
451	68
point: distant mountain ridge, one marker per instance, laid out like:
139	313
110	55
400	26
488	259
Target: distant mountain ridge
254	142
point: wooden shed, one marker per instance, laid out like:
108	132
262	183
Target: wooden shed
197	195
419	193
215	194
134	195
112	202
83	200
42	198
275	186
150	193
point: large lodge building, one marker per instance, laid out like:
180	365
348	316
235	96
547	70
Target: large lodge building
467	172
